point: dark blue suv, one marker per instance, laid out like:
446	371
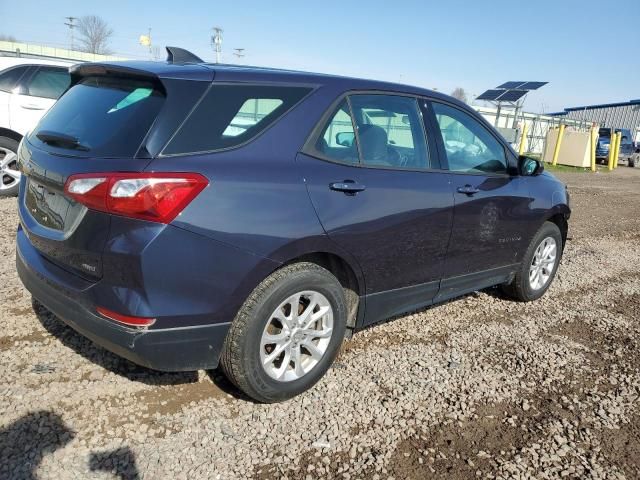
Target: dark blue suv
185	215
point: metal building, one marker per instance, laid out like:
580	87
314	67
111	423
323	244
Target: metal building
612	115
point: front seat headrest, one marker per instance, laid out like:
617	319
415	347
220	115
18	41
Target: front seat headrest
373	142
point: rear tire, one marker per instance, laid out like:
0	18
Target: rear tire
9	174
537	271
631	162
268	314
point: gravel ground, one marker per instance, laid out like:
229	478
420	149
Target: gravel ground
478	387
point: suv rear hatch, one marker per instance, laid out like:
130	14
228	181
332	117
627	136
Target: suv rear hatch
101	124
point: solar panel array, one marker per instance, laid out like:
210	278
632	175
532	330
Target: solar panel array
510	91
490	95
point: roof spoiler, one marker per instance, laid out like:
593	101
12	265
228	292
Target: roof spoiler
180	55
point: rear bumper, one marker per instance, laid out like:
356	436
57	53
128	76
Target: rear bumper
171	349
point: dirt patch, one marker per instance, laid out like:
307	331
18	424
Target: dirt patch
627	306
172	399
605	350
623	447
6	343
461	449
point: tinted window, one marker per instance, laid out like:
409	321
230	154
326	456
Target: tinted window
9	78
470	147
252	112
337	141
232	114
48	83
108	116
390	131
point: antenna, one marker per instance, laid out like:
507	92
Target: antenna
70	23
216	42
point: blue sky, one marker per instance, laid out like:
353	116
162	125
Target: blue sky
583	48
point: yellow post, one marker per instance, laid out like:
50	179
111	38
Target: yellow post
612	148
523	137
556	151
594	141
618	141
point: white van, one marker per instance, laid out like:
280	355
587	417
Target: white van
28	88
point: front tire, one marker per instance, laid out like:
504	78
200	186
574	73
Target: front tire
9	173
539	265
287	333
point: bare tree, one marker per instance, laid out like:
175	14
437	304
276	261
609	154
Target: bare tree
94	34
460	94
7	38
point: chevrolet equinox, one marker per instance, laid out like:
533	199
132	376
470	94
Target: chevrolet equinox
186	215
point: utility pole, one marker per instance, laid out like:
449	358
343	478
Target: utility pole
216	42
239	52
70	23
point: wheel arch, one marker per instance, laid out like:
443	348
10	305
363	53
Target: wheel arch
6	132
349	277
560	217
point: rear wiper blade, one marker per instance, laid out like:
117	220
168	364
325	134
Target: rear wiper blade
64	140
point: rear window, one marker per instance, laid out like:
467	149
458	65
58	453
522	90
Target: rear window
108	116
230	115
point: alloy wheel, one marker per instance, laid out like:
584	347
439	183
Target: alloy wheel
8	169
543	263
296	336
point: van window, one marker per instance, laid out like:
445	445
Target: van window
9	78
48	82
230	115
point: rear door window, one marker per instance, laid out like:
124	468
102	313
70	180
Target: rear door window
9	78
230	115
48	82
390	131
108	117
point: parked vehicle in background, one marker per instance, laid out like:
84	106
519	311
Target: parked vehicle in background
185	215
628	149
28	89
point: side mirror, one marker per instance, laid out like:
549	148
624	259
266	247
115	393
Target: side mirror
530	167
345	139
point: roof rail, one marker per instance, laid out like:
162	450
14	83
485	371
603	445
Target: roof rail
180	55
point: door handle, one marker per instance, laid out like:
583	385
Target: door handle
349	187
31	106
468	190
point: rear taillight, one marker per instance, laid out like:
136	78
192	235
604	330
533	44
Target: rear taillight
126	319
157	197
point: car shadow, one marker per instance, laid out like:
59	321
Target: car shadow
107	360
223	383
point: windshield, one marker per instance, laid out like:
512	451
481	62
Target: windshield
106	116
